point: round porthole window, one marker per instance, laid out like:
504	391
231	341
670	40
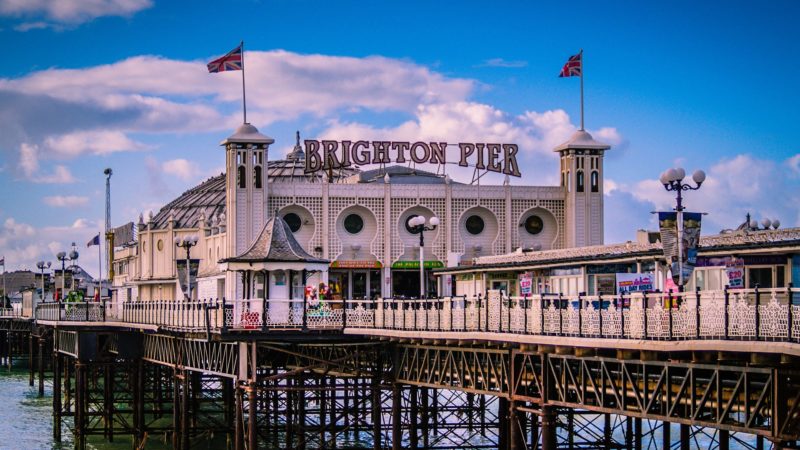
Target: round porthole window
353	223
160	245
474	224
534	224
294	222
409	228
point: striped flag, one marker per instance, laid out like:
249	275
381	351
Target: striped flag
573	66
2	261
231	61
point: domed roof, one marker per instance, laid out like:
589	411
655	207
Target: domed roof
247	134
581	139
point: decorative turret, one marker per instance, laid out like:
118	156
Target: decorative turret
582	179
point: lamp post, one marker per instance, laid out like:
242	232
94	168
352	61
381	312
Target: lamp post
62	256
418	225
672	179
187	242
73	259
43	265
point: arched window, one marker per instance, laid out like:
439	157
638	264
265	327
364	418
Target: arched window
241	177
595	181
579	188
257	177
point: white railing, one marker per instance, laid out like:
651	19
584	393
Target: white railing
744	314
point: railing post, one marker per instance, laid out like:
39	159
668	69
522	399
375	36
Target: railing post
500	315
479	314
305	312
580	316
621	316
669	310
402	315
265	314
560	315
486	311
697	310
791	313
208	325
758	313
86	304
344	314
509	314
414	313
525	308
725	316
600	313
541	313
644	313
224	318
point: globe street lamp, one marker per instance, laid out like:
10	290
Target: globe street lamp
62	256
73	258
417	224
187	242
672	179
43	265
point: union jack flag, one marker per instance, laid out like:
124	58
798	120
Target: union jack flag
231	61
573	66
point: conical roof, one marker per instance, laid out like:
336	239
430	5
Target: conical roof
247	134
276	243
581	139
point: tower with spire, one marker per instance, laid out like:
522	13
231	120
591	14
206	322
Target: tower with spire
246	194
582	181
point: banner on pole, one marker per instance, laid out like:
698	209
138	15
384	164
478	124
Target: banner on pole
690	238
194	264
525	284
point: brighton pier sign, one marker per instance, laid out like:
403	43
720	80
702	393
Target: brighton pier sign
324	155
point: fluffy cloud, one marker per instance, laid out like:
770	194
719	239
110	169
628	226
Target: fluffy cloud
733	187
70	11
66	201
536	133
500	62
23	244
181	168
29	165
794	164
94	142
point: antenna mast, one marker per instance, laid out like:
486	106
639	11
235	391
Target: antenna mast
109	234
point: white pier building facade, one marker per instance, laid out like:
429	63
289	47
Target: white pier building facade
357	219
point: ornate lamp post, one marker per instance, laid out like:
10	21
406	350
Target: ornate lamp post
187	242
62	256
73	259
42	266
417	224
672	179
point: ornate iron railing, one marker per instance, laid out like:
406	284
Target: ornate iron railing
70	312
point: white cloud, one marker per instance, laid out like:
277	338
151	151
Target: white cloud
66	201
181	168
29	165
72	11
794	164
28	26
500	62
733	187
94	142
23	244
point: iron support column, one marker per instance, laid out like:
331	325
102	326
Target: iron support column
516	427
685	437
549	425
397	398
252	417
56	397
41	366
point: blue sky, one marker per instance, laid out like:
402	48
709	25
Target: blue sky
121	83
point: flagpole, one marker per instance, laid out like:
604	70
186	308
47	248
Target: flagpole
244	94
100	268
582	72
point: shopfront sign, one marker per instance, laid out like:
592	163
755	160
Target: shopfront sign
326	154
356	264
635	282
415	265
525	284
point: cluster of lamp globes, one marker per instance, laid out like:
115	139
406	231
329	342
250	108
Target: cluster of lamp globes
677	174
767	223
186	241
419	221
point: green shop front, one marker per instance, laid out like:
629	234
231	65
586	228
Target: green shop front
405	278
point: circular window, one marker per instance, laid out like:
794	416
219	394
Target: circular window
409	228
474	224
294	222
160	245
534	224
353	223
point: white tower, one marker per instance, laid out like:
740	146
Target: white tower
582	181
246	199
